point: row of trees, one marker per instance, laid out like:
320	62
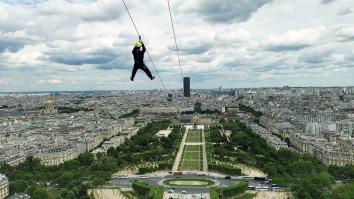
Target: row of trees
71	179
198	109
249	110
133	113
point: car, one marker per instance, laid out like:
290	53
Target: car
184	192
259	178
170	191
136	180
251	188
228	177
143	177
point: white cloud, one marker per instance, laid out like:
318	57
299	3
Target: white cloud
295	39
346	33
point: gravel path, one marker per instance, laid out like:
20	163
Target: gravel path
180	151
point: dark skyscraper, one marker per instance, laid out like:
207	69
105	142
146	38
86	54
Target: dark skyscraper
187	86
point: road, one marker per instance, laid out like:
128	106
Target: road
126	182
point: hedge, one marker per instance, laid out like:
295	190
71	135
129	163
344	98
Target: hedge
234	190
156	192
142	188
224	169
213	193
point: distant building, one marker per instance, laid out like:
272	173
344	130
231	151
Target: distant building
187	86
345	127
164	133
57	156
4	186
49	107
158	110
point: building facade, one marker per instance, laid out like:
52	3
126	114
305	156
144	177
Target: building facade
187	86
4	186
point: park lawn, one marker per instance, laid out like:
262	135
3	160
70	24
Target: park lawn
194	136
192	148
190	165
191	158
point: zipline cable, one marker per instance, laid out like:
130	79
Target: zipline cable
174	35
147	52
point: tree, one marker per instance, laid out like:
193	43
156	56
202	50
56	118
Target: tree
39	193
111	152
71	165
85	159
6	169
198	107
18	186
344	192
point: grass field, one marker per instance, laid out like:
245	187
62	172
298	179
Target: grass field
194	136
192	159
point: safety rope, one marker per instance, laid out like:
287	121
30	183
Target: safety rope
147	52
174	35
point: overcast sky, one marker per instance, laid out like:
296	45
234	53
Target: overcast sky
86	44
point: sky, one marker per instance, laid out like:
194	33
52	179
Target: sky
54	45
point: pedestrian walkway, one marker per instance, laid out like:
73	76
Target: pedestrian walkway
180	151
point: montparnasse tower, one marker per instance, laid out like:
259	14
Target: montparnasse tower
49	107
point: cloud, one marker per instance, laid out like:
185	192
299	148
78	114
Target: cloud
315	56
344	11
10	45
120	62
100	10
295	40
345	33
327	1
226	11
80	59
193	48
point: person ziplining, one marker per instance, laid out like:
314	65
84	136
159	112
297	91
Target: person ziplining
138	53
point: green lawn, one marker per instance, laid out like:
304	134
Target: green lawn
191	158
194	136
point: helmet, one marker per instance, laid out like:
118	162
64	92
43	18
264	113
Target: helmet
138	44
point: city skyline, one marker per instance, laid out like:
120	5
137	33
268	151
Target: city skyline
229	44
